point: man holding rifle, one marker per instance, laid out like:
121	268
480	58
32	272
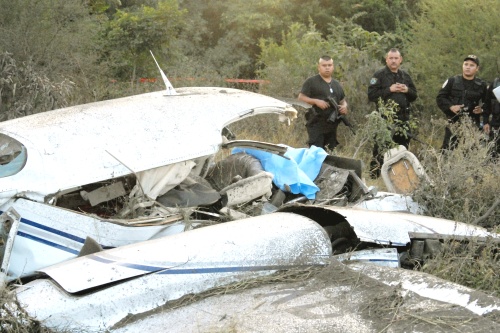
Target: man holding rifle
328	105
460	95
392	83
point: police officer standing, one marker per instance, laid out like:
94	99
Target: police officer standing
392	83
492	108
316	91
462	95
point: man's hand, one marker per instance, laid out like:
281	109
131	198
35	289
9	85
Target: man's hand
321	104
456	108
399	88
343	107
313	101
478	110
486	128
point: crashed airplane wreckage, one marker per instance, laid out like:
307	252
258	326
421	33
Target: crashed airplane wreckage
94	171
101	199
113	173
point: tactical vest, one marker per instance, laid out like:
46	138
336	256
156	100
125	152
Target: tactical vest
470	98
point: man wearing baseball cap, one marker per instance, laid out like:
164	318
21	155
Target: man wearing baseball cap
462	95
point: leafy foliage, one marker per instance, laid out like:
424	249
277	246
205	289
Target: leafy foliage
377	15
131	34
445	33
57	39
55	35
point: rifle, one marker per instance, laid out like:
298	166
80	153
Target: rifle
334	116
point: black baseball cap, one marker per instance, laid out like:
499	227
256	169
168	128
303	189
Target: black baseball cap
473	58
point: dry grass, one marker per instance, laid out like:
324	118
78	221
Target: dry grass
464	181
13	319
474	264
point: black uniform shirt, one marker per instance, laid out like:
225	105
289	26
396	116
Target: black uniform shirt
457	91
380	85
317	88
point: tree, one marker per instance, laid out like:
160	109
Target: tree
377	15
133	32
445	33
225	34
243	23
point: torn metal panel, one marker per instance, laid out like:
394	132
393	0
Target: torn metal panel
388	257
387	201
394	228
168	268
387	228
104	193
248	189
432	287
9	225
48	235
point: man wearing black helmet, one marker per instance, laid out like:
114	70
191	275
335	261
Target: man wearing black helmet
462	95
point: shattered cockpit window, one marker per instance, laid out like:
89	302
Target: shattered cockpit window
12	156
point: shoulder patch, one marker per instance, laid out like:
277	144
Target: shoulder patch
373	80
445	83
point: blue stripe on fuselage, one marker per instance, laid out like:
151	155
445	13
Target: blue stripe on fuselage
46	242
55	232
193	270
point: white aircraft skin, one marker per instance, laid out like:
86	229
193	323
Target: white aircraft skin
48	235
156	271
85	144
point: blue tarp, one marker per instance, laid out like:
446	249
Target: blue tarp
298	172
